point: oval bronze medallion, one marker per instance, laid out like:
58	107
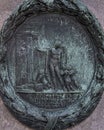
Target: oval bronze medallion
51	63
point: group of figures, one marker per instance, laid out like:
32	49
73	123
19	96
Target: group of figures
56	75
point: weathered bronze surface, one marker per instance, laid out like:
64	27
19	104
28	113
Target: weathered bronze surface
51	63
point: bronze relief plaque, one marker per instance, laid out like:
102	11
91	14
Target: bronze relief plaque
51	63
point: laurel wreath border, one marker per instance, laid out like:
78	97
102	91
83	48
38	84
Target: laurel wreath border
26	113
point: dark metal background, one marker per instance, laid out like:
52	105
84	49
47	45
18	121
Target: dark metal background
97	129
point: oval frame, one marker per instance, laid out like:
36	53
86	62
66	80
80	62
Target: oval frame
64	118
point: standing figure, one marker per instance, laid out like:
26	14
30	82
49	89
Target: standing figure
54	67
69	81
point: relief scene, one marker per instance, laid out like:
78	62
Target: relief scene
54	76
47	67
